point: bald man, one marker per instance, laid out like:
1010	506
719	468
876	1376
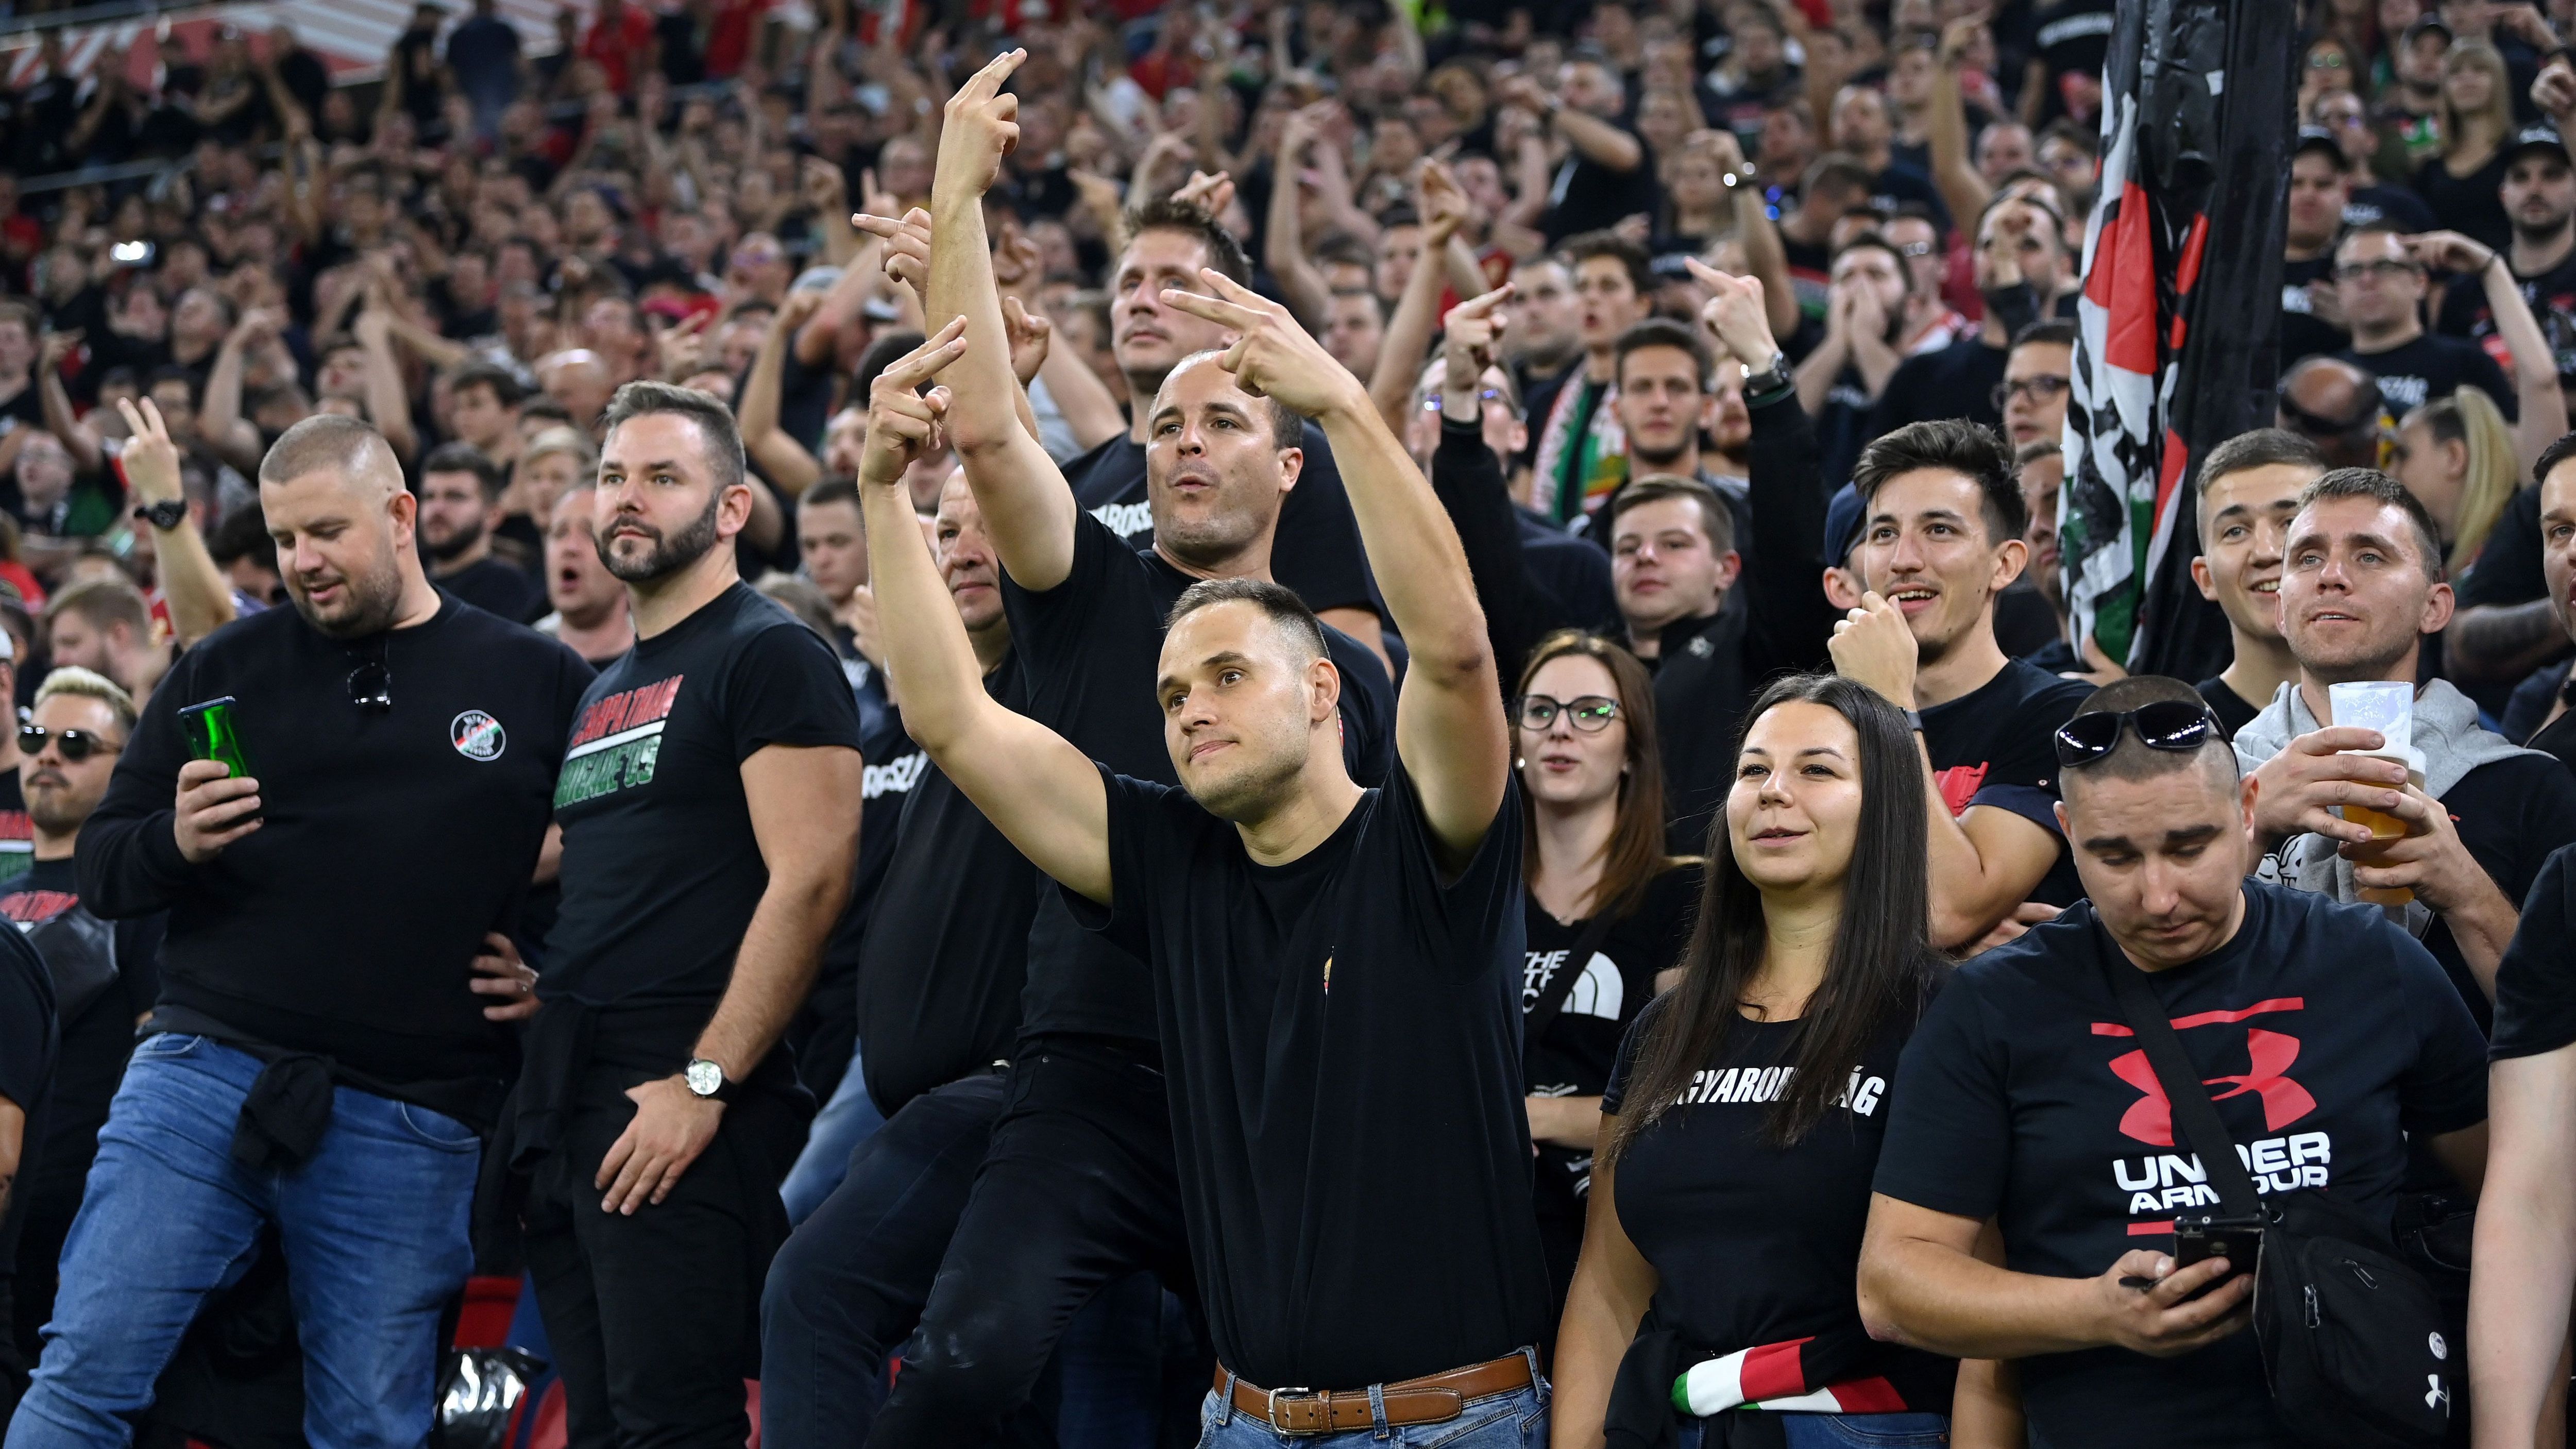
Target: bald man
581	380
2335	405
332	1037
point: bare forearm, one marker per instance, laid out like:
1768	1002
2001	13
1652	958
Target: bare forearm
1816	375
925	645
821	332
387	402
2492	643
199	598
1931	1297
1600	142
1590	1342
1028	508
1283	249
1409	541
775	967
2482	926
2525	1258
2543	408
87	456
1962	189
1089	408
1768	257
1408	337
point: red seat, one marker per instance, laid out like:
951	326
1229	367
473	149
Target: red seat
484	1321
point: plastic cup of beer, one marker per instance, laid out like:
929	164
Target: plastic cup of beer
2388	707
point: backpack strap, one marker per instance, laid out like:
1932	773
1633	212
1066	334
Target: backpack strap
2195	1119
1543	1012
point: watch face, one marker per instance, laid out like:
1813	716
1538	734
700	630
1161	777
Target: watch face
705	1078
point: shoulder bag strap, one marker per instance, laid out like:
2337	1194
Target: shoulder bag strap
2194	1118
1542	1013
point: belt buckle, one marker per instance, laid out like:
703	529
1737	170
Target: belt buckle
1270	1411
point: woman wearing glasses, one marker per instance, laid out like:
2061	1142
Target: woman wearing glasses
1743	1122
1607	908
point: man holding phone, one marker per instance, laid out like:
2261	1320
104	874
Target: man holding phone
2325	1035
319	1061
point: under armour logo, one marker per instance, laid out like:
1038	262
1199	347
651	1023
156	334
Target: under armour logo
2437	1396
2269	1053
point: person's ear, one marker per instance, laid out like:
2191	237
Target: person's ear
2201	576
2010	559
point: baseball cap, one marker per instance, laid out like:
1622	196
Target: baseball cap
2427	23
2542	137
2318	138
1842	526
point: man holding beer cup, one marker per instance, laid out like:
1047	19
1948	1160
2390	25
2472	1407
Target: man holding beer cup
2393	796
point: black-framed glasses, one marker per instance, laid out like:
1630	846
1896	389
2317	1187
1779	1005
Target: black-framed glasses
2038	389
2168	724
371	685
1590	713
76	745
2384	267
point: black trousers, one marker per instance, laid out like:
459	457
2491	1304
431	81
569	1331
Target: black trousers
654	1318
1076	1190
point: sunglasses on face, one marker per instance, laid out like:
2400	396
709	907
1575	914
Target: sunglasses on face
76	745
2168	724
1591	713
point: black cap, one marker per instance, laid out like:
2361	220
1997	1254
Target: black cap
2543	137
2318	138
2425	23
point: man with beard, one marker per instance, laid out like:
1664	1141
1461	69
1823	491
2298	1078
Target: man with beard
317	1063
590	611
460	505
1668	392
105	974
1865	316
2539	194
709	801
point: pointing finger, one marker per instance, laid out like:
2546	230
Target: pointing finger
1479	306
917	366
1211	309
1234	291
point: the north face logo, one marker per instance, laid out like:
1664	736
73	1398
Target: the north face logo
2269	1056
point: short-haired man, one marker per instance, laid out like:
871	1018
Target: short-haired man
1673	547
590	611
1313	897
2336	405
1354	325
2020	263
1940	538
2328	1039
2039	377
2537	714
484	399
2361	585
710	809
2311	308
1543	343
1609	171
105	626
2539	195
1318	553
1076	1190
1581	454
321	1062
1865	314
1669	391
2382	276
2247	493
460	509
106	973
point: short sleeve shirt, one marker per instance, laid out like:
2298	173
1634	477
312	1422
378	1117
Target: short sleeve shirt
1992	746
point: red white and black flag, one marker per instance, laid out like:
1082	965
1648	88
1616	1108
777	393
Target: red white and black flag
2180	314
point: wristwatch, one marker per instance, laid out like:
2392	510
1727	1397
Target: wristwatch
707	1080
1914	720
165	515
1772	379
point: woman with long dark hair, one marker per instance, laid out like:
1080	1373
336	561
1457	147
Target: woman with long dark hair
1742	1123
1607	908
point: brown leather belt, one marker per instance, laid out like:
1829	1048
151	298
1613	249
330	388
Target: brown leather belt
1430	1400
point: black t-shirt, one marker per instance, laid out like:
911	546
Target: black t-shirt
2433	366
2327	1036
2233	712
2508	569
1586	195
2303	333
1992	746
661	871
2472	205
105	974
1575	1056
2535	1009
1957	381
2465	312
1343	1033
28	1049
344	926
1754	1243
499	588
1089	650
944	961
1316	550
2511	814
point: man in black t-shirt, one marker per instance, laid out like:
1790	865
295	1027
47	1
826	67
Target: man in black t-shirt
709	802
2326	1038
1941	535
2539	195
105	976
2247	493
1350	1195
324	912
1609	171
460	505
2311	310
2380	277
2360	587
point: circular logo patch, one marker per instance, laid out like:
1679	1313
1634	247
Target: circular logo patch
477	736
2440	1349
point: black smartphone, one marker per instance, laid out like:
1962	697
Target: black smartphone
2209	1235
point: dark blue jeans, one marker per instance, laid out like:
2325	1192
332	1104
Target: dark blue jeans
374	1228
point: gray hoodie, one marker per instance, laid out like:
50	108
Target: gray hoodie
2446	731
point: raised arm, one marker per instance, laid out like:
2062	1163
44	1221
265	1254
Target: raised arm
2543	415
1790	620
1283	241
1449	727
1408	334
1034	786
1765	255
1468	479
1028	508
388	401
1963	190
220	419
200	600
83	440
782	459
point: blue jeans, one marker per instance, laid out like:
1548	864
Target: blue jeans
1850	1431
850	1118
374	1228
1517	1420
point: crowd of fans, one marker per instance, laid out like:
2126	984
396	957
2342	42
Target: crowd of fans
815	636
